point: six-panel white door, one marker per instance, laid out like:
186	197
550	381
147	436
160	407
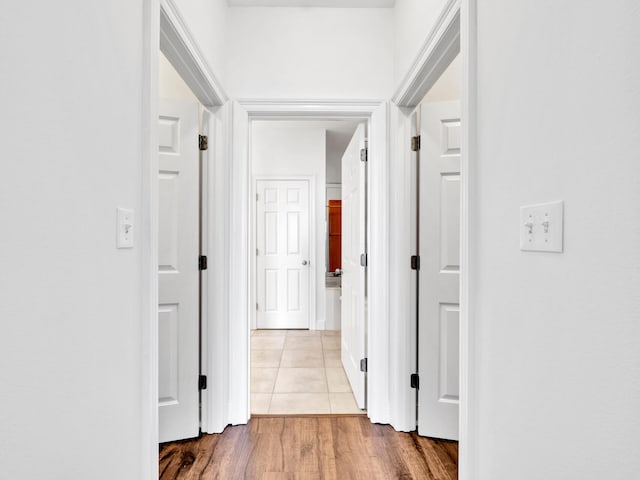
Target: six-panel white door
353	274
439	291
283	261
178	273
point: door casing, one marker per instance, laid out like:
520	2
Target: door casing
373	112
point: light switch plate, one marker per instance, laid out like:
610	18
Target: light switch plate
124	228
542	227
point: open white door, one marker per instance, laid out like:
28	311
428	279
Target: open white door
283	261
178	273
439	295
353	316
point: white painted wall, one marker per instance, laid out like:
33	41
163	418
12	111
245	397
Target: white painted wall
339	135
296	148
413	21
70	360
207	22
335	149
448	86
309	53
557	390
170	83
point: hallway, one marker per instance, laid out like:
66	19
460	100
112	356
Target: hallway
310	448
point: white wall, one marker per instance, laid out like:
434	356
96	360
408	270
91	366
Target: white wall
413	21
170	83
70	361
448	86
335	150
296	148
339	135
310	53
557	352
207	22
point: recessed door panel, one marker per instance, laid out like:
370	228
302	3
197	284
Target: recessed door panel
168	361
450	223
271	289
293	233
271	233
449	353
168	191
293	290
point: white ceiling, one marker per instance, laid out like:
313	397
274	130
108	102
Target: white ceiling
313	3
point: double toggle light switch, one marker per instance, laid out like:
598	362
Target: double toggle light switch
542	227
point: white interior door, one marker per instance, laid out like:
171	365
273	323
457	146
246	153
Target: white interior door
353	273
178	273
439	291
283	260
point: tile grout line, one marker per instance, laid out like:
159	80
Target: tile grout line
324	351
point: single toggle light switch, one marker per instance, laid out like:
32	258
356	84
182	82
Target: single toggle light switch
542	227
124	228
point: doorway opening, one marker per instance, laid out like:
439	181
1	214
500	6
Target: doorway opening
436	123
181	226
297	349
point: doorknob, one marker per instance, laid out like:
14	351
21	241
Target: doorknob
304	262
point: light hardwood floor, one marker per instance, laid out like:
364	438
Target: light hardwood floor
298	372
310	448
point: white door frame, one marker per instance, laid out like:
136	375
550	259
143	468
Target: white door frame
453	33
313	251
178	45
240	251
163	24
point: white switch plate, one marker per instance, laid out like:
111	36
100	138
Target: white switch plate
124	228
542	227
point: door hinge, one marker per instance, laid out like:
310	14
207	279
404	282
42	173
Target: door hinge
415	262
202	382
364	259
257	196
202	262
364	365
257	306
203	142
415	143
415	381
364	154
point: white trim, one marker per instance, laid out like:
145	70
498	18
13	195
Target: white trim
310	109
378	346
378	376
178	45
402	336
454	32
216	338
206	188
237	362
469	414
149	242
313	251
434	57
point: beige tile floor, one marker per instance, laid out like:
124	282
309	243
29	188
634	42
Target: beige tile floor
298	372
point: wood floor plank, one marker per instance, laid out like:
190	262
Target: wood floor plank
438	459
310	448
